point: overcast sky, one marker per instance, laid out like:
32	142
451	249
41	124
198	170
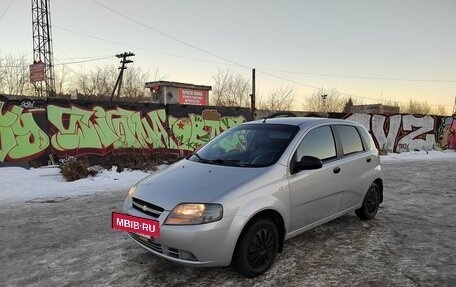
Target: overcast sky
341	45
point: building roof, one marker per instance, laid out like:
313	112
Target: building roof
177	85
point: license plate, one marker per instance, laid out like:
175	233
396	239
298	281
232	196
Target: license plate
142	226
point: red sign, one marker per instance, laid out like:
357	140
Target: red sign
134	224
192	97
37	72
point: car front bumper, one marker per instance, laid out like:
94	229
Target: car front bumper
205	245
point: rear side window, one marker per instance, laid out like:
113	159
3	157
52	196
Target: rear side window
318	143
366	137
350	138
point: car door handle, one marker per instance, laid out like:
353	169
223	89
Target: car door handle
368	159
336	170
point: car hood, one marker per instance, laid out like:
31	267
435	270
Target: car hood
188	181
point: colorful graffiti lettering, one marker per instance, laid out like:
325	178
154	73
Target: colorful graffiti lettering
398	133
76	131
20	136
193	132
26	132
447	133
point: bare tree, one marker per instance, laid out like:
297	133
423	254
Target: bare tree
61	75
14	75
133	83
324	100
102	80
231	89
99	82
350	102
391	103
280	99
440	110
348	105
415	107
157	74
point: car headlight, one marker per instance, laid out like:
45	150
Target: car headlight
194	213
128	201
131	191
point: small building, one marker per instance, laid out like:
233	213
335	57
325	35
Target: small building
164	92
374	109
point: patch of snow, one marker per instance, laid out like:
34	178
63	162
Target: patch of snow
19	184
419	155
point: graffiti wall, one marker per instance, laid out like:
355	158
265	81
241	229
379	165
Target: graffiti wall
22	132
33	130
398	133
66	128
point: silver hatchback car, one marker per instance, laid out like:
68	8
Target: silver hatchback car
237	199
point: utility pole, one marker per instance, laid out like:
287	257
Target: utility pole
124	61
454	108
252	96
323	97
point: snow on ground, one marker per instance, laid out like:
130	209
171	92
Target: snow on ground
18	184
419	155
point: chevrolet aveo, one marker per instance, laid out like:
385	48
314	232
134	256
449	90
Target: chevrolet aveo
238	198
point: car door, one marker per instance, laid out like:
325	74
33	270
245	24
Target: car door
357	166
315	194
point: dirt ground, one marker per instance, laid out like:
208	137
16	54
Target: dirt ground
411	242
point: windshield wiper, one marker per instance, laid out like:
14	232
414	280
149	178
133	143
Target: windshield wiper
232	162
203	160
219	161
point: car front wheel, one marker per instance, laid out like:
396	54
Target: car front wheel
257	248
371	203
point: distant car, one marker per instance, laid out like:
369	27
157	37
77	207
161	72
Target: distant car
237	199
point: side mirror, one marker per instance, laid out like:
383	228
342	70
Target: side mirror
306	163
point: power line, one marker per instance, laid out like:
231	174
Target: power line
362	77
85	58
283	71
63	52
141	48
264	69
310	86
342	93
169	36
6	10
85	61
236	63
66	63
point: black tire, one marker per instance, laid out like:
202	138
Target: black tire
371	203
256	249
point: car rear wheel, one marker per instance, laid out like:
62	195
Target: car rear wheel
257	248
370	204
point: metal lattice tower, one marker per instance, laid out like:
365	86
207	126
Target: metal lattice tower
42	46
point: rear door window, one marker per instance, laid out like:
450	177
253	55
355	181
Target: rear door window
350	139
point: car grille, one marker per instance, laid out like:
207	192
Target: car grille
171	252
146	242
147	208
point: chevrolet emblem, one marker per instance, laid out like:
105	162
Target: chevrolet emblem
144	207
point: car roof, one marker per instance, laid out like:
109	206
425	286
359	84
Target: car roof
301	121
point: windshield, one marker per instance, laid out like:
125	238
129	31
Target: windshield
251	145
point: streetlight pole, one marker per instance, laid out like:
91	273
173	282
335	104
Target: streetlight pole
325	107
